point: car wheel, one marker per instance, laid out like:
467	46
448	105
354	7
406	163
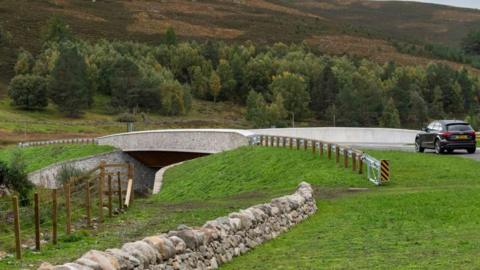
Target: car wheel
418	147
438	148
450	151
472	150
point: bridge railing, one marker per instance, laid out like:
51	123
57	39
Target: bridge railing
60	141
378	171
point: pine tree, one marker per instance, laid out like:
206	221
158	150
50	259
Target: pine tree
256	109
57	31
170	37
390	117
68	86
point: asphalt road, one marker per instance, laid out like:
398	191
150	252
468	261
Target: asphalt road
411	148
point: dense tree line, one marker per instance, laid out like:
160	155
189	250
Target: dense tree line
279	84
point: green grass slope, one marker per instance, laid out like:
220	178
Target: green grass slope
422	219
41	156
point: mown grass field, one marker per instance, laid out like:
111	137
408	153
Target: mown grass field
424	218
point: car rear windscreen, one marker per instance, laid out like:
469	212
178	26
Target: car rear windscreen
459	127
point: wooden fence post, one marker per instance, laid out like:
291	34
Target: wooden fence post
128	195
290	144
37	221
101	178
329	151
321	149
272	139
297	142
354	161
305	144
284	142
345	158
360	165
131	176
16	216
261	140
54	216
119	180
110	213
337	153
88	204
67	206
314	147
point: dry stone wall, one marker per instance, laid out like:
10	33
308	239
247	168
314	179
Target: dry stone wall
207	247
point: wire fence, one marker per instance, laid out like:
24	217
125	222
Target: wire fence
80	204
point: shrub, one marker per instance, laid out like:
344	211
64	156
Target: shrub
28	91
3	172
67	172
17	179
126	118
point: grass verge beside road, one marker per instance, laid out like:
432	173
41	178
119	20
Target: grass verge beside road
422	219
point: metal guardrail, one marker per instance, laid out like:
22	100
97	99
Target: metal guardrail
378	171
62	141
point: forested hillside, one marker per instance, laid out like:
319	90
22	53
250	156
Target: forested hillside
277	83
218	62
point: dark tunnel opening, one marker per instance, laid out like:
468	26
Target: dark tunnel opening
159	159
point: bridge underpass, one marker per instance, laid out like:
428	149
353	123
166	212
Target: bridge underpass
160	159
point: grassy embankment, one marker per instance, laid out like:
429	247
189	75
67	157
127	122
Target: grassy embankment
42	156
422	218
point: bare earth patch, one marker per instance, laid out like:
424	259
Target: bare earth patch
145	23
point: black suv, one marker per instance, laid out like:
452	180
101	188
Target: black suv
447	135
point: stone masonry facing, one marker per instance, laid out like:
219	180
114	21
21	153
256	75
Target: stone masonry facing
216	242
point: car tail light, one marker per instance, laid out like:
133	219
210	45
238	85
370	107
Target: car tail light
473	135
445	134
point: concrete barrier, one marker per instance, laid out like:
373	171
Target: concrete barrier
346	135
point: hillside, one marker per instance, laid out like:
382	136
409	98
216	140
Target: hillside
369	29
263	21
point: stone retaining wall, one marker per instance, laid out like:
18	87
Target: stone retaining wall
143	175
207	247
